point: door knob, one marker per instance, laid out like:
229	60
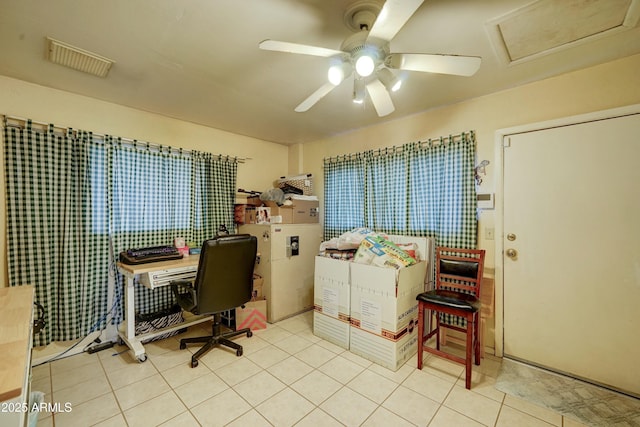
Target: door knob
511	253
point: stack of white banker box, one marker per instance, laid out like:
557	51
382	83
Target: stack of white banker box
371	310
331	299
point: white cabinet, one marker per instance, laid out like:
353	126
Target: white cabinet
288	277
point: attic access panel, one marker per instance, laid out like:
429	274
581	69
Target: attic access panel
547	26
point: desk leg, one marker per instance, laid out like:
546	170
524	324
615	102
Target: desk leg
128	327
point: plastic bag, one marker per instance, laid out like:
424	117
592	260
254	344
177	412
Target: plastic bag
273	195
352	239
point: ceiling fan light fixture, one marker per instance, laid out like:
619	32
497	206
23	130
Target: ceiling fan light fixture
389	80
338	72
359	91
365	65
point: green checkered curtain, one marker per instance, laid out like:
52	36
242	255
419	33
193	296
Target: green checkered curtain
158	194
442	191
213	195
387	193
51	243
344	192
418	189
443	179
74	202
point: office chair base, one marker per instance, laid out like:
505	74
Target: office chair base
214	341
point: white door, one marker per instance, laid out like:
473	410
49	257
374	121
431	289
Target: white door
572	216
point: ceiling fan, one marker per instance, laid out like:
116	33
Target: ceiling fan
367	57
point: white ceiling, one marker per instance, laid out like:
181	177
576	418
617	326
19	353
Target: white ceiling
198	60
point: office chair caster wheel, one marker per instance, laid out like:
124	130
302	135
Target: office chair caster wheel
194	363
249	334
239	352
142	358
182	346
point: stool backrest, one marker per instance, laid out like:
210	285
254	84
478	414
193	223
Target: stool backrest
460	269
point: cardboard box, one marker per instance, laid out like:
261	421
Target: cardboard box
384	312
331	295
300	212
253	315
392	294
335	331
254	201
244	214
391	354
258	282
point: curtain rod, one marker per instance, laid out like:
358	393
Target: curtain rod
20	123
431	141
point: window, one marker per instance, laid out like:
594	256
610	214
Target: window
421	189
75	201
344	195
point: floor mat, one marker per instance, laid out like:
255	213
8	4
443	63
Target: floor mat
587	403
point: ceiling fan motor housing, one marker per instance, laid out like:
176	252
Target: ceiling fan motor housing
361	15
359	44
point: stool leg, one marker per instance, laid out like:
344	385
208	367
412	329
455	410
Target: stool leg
476	339
437	330
469	351
481	336
421	320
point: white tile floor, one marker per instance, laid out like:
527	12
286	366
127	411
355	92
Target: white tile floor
287	376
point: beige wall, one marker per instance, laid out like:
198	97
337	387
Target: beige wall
605	86
601	87
20	99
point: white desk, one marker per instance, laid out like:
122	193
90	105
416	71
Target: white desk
127	329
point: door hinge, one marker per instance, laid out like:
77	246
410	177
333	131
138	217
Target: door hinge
506	142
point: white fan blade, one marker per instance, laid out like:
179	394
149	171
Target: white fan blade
380	98
315	97
298	48
392	17
443	64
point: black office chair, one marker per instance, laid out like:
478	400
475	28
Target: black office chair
457	293
223	282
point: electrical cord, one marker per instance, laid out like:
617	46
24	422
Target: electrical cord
91	330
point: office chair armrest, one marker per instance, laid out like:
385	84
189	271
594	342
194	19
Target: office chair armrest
187	300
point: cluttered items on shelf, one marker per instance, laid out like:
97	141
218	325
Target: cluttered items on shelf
290	202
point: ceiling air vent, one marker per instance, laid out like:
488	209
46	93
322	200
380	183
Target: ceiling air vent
78	59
